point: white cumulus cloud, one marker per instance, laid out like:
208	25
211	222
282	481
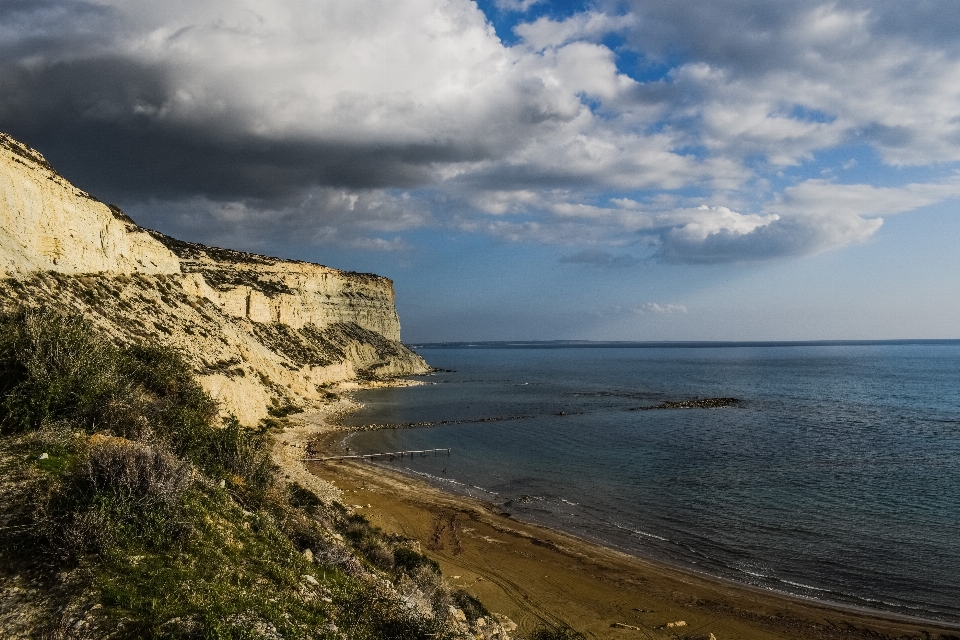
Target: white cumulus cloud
660	309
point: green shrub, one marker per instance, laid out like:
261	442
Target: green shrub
134	472
177	408
470	606
367	540
56	367
96	497
408	560
240	455
302	498
52	367
370	614
561	632
283	409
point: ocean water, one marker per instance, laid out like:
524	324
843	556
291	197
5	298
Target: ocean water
836	477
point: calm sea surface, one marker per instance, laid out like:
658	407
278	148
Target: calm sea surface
837	476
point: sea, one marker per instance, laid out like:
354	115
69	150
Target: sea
836	476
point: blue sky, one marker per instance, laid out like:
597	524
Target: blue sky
522	169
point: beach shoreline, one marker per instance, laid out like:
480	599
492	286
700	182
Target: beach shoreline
599	590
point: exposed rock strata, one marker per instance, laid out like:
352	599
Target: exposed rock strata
259	331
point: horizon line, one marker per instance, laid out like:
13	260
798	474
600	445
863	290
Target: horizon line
652	344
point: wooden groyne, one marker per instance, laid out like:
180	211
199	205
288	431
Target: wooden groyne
392	455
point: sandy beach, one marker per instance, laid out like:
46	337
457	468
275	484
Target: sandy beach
539	576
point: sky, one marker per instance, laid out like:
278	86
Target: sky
528	169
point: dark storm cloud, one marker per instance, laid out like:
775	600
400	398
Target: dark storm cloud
43	26
370	220
76	84
93	120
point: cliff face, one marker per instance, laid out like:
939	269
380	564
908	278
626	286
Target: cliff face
259	331
297	294
47	224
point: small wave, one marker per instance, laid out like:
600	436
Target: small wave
897	605
493	493
649	535
437	478
638	532
804	586
568	502
839	596
843	597
449	481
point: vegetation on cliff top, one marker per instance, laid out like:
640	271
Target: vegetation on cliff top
127	511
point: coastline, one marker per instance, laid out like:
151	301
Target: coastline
596	589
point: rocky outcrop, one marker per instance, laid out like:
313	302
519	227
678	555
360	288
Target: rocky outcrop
264	334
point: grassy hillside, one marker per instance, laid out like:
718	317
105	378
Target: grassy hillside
128	509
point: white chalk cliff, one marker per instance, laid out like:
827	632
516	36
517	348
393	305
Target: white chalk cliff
259	331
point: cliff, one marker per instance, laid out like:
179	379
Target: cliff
263	334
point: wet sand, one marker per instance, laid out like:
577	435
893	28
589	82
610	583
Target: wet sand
539	576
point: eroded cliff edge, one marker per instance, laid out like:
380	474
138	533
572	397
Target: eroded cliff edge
260	332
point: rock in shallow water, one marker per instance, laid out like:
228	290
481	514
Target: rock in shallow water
704	403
